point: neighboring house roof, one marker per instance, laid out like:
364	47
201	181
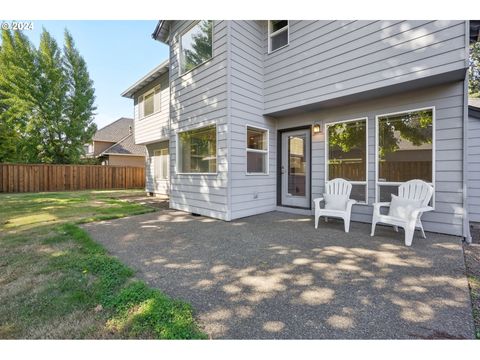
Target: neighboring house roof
474	108
115	131
161	31
126	146
145	80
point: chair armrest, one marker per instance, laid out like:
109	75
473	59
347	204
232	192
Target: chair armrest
350	203
419	211
317	202
378	205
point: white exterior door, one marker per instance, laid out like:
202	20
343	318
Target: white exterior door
161	170
296	168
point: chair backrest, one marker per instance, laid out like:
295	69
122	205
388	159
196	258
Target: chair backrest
338	186
416	190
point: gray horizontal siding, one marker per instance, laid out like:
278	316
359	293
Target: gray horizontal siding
199	98
328	59
250	194
448	102
155	126
473	173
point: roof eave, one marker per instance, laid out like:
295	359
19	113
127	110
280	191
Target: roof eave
146	79
161	32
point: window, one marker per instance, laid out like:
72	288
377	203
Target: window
161	164
198	150
277	34
196	45
257	151
150	102
405	150
346	155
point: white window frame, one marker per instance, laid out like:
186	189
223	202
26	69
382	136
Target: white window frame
377	144
366	155
155	90
180	74
163	177
271	34
267	151
177	148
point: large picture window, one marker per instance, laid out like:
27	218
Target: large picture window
405	150
197	150
196	45
346	155
257	151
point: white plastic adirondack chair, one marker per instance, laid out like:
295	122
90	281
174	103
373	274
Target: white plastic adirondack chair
340	187
411	190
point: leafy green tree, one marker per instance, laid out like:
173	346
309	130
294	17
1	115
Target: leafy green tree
46	100
474	70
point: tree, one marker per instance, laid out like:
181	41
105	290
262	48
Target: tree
46	100
474	70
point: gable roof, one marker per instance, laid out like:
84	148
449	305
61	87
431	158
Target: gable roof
146	79
114	131
126	146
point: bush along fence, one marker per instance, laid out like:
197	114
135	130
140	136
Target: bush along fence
16	178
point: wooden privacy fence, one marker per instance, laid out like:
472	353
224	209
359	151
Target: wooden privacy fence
45	177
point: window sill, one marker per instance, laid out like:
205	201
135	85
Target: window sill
280	48
152	114
257	174
194	68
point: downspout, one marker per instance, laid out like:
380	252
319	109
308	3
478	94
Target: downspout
466	222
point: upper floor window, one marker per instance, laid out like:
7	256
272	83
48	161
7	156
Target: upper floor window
196	46
405	150
150	102
277	34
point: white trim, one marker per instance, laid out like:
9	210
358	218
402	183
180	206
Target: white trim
270	34
365	182
177	144
434	121
267	152
179	60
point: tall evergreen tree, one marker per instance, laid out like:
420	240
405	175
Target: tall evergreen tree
46	100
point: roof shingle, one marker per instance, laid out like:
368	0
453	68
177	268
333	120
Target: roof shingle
115	131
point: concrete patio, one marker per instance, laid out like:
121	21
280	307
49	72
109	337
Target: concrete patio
275	276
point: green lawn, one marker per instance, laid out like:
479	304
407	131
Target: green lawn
56	282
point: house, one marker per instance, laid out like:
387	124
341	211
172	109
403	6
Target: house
114	145
247	117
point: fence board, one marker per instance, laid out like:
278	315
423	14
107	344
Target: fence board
46	177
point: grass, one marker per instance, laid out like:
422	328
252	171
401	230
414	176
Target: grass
58	283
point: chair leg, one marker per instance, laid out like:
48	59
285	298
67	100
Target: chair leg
326	219
395	228
421	229
317	217
346	223
409	232
373	227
